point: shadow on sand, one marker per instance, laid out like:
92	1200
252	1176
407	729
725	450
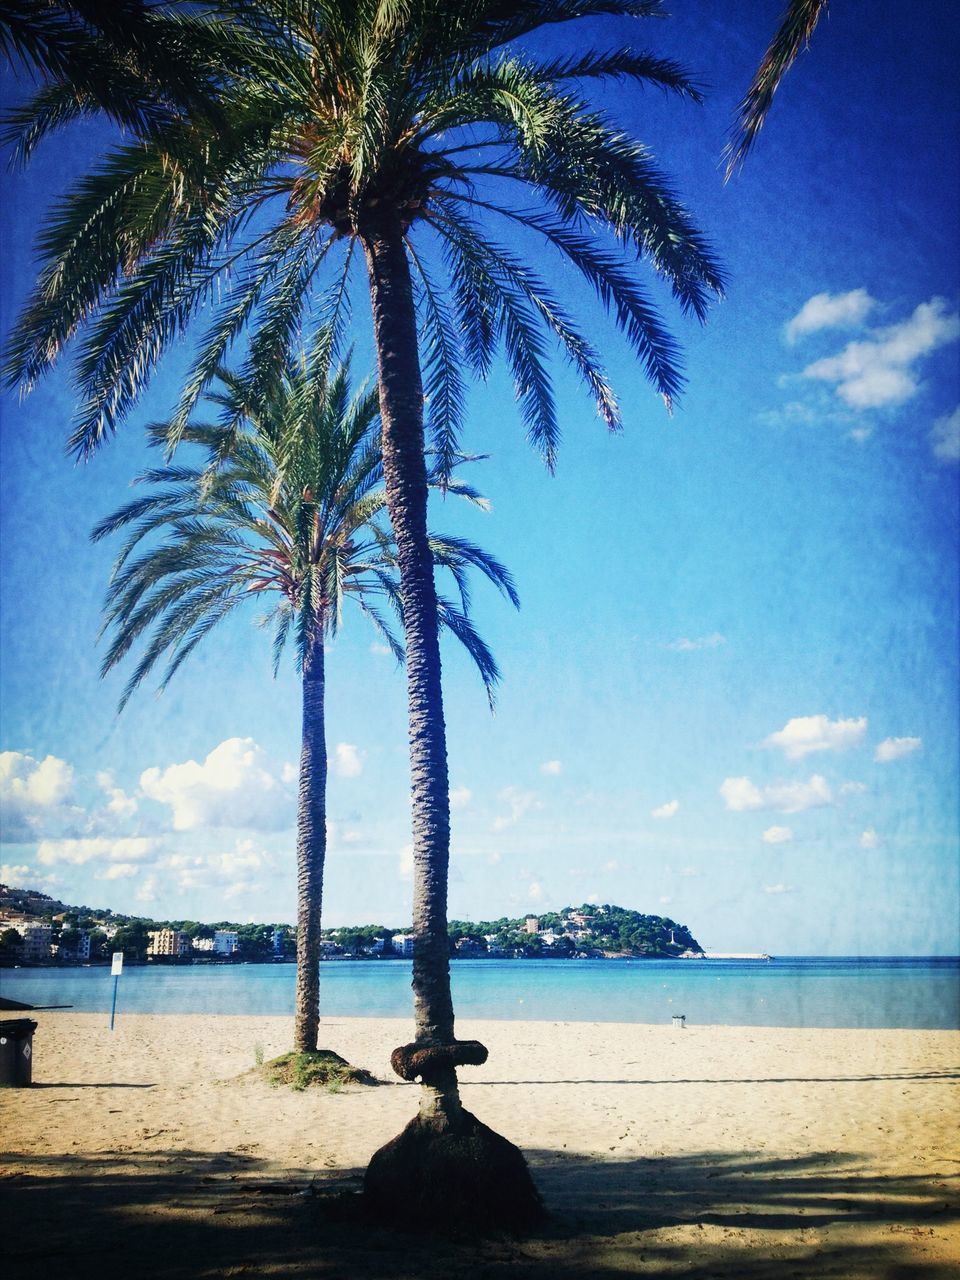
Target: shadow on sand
180	1214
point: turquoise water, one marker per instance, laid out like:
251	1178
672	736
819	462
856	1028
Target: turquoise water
801	992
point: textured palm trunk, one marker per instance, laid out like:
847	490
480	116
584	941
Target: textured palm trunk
311	846
445	1167
401	410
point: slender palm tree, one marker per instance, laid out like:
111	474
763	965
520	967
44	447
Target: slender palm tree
428	144
792	36
286	506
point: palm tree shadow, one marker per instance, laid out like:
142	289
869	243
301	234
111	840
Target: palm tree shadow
179	1214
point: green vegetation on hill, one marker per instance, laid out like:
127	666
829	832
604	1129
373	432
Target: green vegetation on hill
585	930
588	930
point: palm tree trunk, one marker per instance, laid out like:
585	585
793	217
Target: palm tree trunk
404	466
445	1167
311	845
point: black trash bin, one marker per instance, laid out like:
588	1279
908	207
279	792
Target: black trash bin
16	1052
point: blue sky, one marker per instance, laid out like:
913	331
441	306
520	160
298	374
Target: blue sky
731	694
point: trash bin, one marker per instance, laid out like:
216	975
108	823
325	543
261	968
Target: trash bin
16	1052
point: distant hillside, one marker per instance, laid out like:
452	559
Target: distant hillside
588	930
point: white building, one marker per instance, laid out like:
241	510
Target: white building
225	942
403	944
203	944
37	937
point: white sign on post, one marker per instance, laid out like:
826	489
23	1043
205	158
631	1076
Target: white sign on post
117	967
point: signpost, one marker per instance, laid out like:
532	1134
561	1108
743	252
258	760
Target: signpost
116	968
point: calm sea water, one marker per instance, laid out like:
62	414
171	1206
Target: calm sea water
797	992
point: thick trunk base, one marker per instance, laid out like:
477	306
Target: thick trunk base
437	1175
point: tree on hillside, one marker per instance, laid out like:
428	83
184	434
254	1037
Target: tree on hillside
285	506
427	143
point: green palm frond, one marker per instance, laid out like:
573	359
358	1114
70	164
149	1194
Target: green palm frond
326	112
285	503
792	37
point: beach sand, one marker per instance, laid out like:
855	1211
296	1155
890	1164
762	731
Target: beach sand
749	1153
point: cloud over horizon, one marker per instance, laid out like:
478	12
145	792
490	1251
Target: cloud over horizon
805	734
235	786
740	795
830	311
34	795
878	371
896	748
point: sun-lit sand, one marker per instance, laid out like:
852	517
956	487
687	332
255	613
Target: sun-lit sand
709	1152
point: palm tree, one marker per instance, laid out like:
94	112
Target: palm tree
285	507
413	135
796	28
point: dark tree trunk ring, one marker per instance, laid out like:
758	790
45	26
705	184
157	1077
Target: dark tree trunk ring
429	1060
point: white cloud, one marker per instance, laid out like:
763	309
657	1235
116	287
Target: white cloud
740	794
878	371
535	891
460	797
148	890
665	900
381	650
777	835
830	311
551	768
118	802
805	734
15	874
406	862
118	871
895	748
234	787
869	839
945	437
685	645
227	872
520	803
853	788
347	760
690	873
860	434
95	849
665	810
778	888
33	794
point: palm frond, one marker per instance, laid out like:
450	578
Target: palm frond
793	35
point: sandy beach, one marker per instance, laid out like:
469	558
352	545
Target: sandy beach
711	1152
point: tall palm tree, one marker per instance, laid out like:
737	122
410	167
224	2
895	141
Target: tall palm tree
286	506
429	143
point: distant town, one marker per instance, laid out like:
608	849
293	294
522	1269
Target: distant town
38	930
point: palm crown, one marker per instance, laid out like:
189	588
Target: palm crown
323	118
287	506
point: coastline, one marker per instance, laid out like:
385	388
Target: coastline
745	1151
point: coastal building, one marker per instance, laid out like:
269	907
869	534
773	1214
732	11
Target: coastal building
168	942
278	938
202	944
37	939
78	951
225	942
403	944
531	924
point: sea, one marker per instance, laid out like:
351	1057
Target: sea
799	991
